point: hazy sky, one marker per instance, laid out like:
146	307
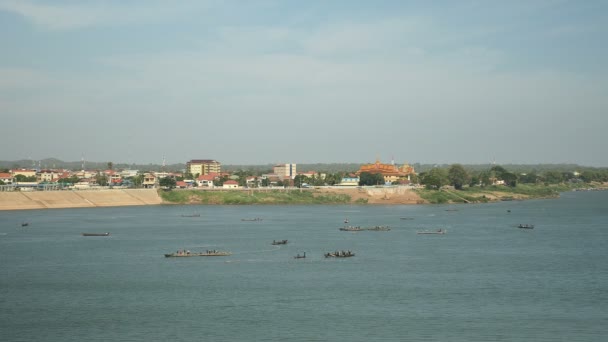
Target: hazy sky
256	82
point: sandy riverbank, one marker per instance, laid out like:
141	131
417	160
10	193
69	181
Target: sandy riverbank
130	197
77	199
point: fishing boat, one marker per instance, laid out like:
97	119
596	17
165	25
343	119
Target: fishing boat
352	229
95	234
525	226
439	231
339	254
406	218
300	256
280	242
25	224
191	215
186	253
379	228
252	219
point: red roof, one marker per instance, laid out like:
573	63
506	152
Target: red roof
181	183
231	182
5	175
206	177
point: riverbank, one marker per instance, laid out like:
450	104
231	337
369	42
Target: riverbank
21	200
356	195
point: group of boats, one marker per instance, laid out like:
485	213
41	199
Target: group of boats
359	228
186	253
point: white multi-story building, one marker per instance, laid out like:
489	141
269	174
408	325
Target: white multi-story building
285	170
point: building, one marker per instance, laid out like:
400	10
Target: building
149	180
231	184
391	172
23	172
205	181
349	181
203	167
6	178
285	170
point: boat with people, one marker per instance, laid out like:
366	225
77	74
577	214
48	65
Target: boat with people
280	242
525	226
352	229
300	256
251	219
25	224
186	253
339	254
96	234
438	231
379	228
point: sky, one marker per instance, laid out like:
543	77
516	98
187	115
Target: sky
258	82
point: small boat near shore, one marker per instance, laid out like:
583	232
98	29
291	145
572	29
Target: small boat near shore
95	234
525	226
340	254
186	253
280	242
438	231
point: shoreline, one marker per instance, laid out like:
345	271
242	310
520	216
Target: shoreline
66	199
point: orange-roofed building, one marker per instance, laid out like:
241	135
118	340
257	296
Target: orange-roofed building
6	178
391	172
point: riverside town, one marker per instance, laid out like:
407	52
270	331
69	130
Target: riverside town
203	181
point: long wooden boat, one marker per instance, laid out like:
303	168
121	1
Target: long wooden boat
525	226
440	232
95	234
186	254
280	242
379	228
340	254
251	219
352	229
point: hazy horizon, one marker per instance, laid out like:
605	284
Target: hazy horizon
265	82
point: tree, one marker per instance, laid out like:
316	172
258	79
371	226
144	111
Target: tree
299	180
265	182
110	165
458	176
366	178
167	182
435	178
553	177
510	179
101	179
22	178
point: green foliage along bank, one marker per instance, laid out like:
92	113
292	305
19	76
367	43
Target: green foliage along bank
244	197
484	194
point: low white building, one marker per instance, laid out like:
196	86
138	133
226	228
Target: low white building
231	184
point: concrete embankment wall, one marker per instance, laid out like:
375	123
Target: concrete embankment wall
77	199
